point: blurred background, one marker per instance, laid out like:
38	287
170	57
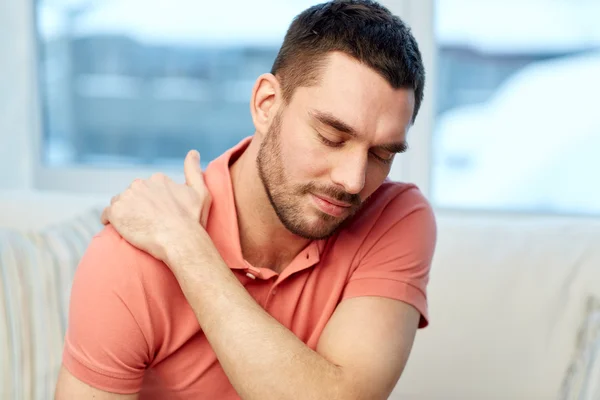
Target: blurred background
510	120
516	125
95	93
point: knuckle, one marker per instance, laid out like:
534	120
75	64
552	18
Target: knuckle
128	194
158	176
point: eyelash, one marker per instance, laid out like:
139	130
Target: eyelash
330	143
383	160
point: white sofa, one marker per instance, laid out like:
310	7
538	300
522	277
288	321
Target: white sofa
508	298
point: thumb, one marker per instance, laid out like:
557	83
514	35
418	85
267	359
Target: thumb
192	171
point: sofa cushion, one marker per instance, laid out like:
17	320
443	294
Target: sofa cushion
36	209
36	270
583	377
506	299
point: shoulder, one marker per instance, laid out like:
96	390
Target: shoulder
110	334
394	206
398	197
112	268
111	259
394	239
122	289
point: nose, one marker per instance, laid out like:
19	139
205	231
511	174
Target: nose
349	171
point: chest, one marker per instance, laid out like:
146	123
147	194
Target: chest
303	303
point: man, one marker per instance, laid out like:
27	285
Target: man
292	269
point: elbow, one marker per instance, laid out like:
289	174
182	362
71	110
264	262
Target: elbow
352	388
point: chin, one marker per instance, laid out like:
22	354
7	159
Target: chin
317	228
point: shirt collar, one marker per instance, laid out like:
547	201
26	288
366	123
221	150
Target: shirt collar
223	225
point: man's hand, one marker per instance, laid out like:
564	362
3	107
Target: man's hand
155	213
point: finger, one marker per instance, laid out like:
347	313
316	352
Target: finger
104	217
135	183
204	214
193	172
158	177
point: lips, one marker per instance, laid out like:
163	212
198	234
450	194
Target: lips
329	206
334	202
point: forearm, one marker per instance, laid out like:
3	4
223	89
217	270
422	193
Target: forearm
261	357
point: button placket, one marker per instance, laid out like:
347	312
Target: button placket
270	295
252	272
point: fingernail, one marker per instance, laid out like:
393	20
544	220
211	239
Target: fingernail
196	155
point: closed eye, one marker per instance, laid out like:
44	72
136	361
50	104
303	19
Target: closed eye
328	142
384	160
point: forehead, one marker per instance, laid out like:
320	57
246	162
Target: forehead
359	96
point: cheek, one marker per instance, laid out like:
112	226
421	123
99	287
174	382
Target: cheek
304	159
317	160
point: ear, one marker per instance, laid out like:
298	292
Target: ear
265	102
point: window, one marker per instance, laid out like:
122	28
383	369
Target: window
131	82
517	120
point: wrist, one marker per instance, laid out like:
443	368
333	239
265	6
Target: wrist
192	247
176	248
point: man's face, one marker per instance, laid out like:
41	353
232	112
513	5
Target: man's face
332	146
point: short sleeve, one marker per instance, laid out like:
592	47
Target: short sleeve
397	254
107	344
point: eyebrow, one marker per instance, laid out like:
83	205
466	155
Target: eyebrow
328	119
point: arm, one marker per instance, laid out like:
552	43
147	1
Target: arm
360	355
105	349
372	337
69	387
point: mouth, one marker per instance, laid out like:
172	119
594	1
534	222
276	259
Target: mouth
330	206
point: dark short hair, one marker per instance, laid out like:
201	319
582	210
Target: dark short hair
362	29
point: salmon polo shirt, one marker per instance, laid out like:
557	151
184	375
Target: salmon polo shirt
131	329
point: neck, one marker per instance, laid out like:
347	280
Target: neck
264	240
